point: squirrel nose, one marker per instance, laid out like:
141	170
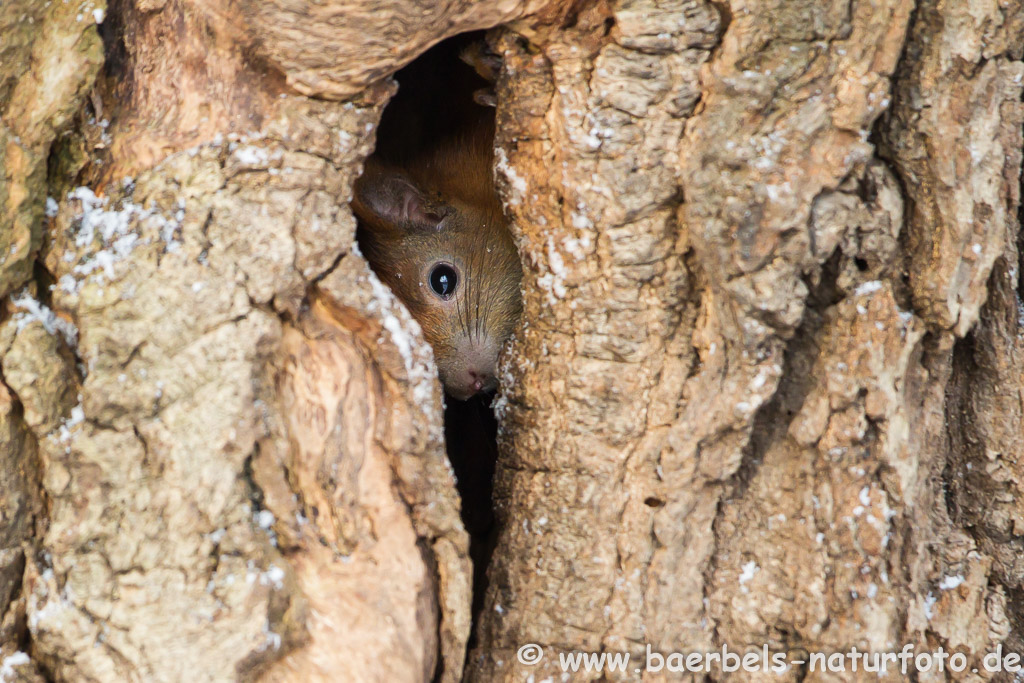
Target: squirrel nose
477	380
472	370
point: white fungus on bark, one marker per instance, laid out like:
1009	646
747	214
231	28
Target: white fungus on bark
34	311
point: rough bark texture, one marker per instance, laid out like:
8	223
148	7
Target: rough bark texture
767	388
739	340
233	427
49	57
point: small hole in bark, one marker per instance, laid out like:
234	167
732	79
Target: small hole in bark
861	264
653	502
111	31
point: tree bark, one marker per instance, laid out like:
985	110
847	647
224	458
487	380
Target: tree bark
752	324
237	441
767	389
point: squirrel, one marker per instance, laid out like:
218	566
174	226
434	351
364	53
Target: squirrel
433	229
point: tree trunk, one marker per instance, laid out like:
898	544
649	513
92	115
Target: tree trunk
767	390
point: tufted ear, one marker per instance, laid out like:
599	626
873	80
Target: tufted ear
386	198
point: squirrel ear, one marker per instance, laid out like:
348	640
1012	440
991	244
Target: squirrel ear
386	198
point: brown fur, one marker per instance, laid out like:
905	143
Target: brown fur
441	206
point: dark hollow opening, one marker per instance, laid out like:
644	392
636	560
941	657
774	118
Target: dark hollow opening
434	104
434	101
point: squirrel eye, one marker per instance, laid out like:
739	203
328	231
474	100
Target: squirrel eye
443	280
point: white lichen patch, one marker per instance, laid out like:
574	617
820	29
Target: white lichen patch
555	261
580	220
105	237
948	583
929	605
748	571
265	519
553	282
868	288
274	576
252	156
10	662
506	380
48	606
32	311
418	358
271	640
77	417
552	286
516	182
